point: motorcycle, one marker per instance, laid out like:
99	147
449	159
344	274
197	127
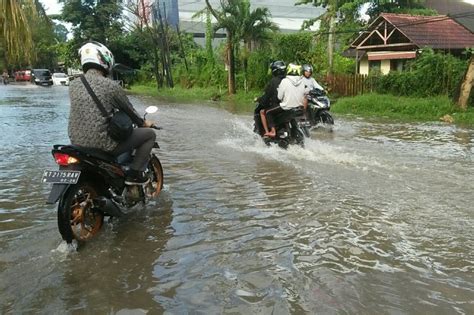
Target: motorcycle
288	130
90	184
318	110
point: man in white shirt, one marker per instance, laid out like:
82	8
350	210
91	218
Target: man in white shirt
309	82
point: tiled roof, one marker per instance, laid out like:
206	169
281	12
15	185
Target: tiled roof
438	32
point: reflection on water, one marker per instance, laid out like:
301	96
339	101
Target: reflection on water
369	218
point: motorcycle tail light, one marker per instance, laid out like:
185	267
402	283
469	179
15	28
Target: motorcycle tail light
64	159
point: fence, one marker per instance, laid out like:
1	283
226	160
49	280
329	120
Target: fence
348	84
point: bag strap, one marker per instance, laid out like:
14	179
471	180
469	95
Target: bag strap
94	97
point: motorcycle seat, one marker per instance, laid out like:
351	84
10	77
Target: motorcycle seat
97	153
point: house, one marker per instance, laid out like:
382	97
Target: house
393	39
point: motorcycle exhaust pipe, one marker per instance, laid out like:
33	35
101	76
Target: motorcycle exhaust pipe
108	206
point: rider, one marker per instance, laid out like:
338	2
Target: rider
309	82
291	92
5	76
270	97
88	128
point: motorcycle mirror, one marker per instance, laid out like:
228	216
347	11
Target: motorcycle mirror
151	109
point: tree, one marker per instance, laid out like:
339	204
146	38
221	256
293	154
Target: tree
93	20
60	31
15	34
254	31
240	24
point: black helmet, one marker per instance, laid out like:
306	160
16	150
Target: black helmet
308	68
278	67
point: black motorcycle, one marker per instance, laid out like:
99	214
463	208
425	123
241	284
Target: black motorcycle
318	109
90	184
288	130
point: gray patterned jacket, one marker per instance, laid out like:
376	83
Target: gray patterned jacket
87	127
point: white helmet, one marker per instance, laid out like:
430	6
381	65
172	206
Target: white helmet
97	56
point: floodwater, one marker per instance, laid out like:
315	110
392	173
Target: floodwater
372	218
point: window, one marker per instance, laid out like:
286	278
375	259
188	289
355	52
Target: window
374	66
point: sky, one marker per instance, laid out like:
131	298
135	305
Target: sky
51	6
284	12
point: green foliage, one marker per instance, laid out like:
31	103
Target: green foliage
318	58
44	40
429	75
15	33
413	7
94	20
294	47
60	32
259	76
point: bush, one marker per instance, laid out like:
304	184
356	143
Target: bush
430	74
259	75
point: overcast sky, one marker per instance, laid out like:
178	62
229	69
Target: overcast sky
51	6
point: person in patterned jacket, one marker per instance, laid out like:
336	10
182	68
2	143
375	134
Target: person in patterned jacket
88	127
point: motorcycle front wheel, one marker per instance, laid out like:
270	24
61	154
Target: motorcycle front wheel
77	218
326	118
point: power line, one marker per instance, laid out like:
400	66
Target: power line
426	21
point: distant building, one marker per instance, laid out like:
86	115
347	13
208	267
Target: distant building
288	16
149	11
169	11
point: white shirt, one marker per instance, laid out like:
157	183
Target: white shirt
291	92
310	83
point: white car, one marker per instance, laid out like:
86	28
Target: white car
60	79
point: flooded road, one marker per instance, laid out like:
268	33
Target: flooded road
373	218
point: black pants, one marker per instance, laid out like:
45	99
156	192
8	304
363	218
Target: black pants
142	140
272	115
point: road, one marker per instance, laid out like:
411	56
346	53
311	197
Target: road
372	218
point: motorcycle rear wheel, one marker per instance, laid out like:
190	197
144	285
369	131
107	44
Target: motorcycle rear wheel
156	185
77	219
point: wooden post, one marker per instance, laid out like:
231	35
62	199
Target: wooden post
466	85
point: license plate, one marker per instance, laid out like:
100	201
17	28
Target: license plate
61	177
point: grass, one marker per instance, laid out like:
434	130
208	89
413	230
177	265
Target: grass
405	109
439	108
238	103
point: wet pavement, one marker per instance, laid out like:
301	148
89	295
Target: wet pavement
372	218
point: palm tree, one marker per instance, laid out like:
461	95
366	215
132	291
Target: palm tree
254	30
15	33
240	25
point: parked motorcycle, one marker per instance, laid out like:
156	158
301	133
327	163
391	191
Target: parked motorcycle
90	184
288	131
318	110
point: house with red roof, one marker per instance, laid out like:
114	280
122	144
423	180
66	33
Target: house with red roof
393	39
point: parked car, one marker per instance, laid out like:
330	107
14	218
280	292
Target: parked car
60	78
41	77
23	75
